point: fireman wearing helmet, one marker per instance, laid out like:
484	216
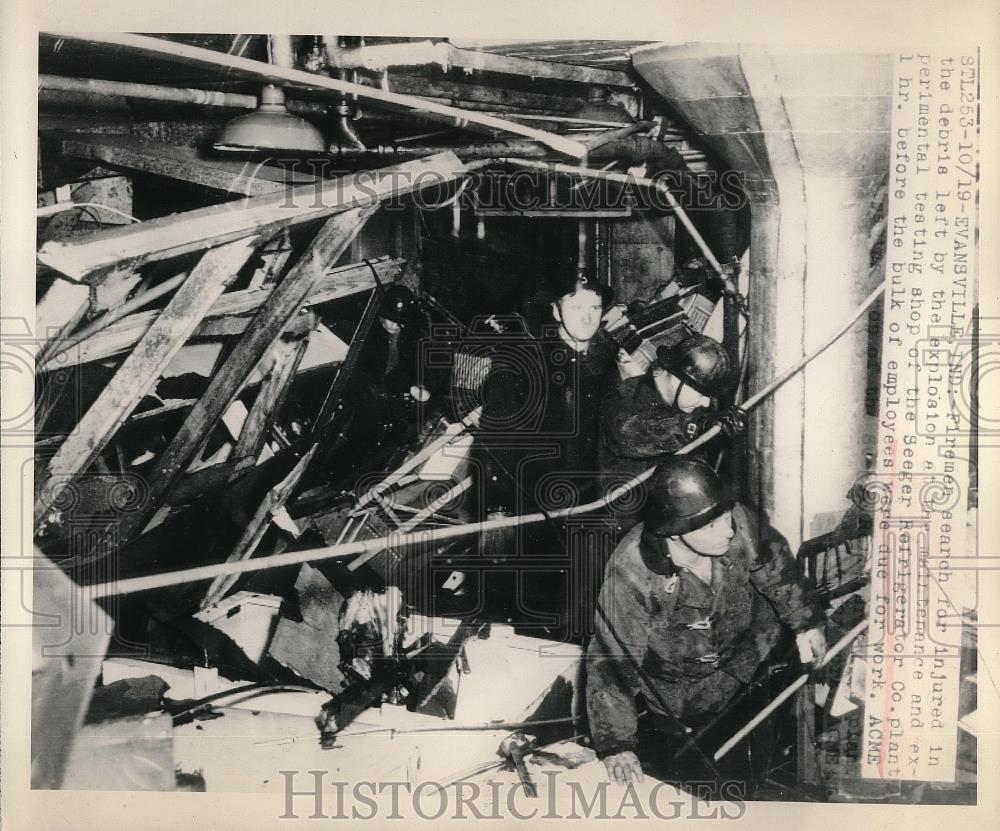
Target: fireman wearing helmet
650	417
395	352
694	600
392	387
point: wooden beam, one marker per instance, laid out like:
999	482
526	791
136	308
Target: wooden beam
192	486
273	502
228	315
169	236
68	662
185	164
194	56
285	357
421	53
414	85
271	319
58	312
110	292
333	401
108	198
140	370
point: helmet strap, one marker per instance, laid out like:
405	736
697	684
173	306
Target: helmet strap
677	392
655	554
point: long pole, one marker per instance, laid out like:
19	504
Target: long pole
395	540
789	691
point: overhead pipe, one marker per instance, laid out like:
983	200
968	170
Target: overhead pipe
282	50
172	95
149	92
316	61
268	73
611	136
345	113
658	155
425	52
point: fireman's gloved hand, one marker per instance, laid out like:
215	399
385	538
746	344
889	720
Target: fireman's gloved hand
812	646
732	421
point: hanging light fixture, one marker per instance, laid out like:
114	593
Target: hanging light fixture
271	126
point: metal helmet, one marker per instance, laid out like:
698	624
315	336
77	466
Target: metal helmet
684	494
700	362
398	304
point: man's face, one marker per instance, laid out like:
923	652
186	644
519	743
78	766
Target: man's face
390	326
579	314
687	400
711	540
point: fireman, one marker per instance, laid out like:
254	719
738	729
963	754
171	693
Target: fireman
650	417
537	449
693	602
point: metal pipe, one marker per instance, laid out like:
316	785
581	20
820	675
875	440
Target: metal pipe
149	92
282	50
422	53
174	95
345	129
348	135
562	119
610	136
269	73
632	148
625	178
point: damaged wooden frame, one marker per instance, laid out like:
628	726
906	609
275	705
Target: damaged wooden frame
228	234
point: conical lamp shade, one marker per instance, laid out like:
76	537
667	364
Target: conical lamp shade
270	127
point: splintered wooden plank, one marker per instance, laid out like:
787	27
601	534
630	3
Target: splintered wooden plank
140	370
273	502
58	313
185	164
271	319
224	318
286	356
68	664
266	215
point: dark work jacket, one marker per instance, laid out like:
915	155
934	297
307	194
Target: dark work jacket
638	430
540	424
659	615
390	364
